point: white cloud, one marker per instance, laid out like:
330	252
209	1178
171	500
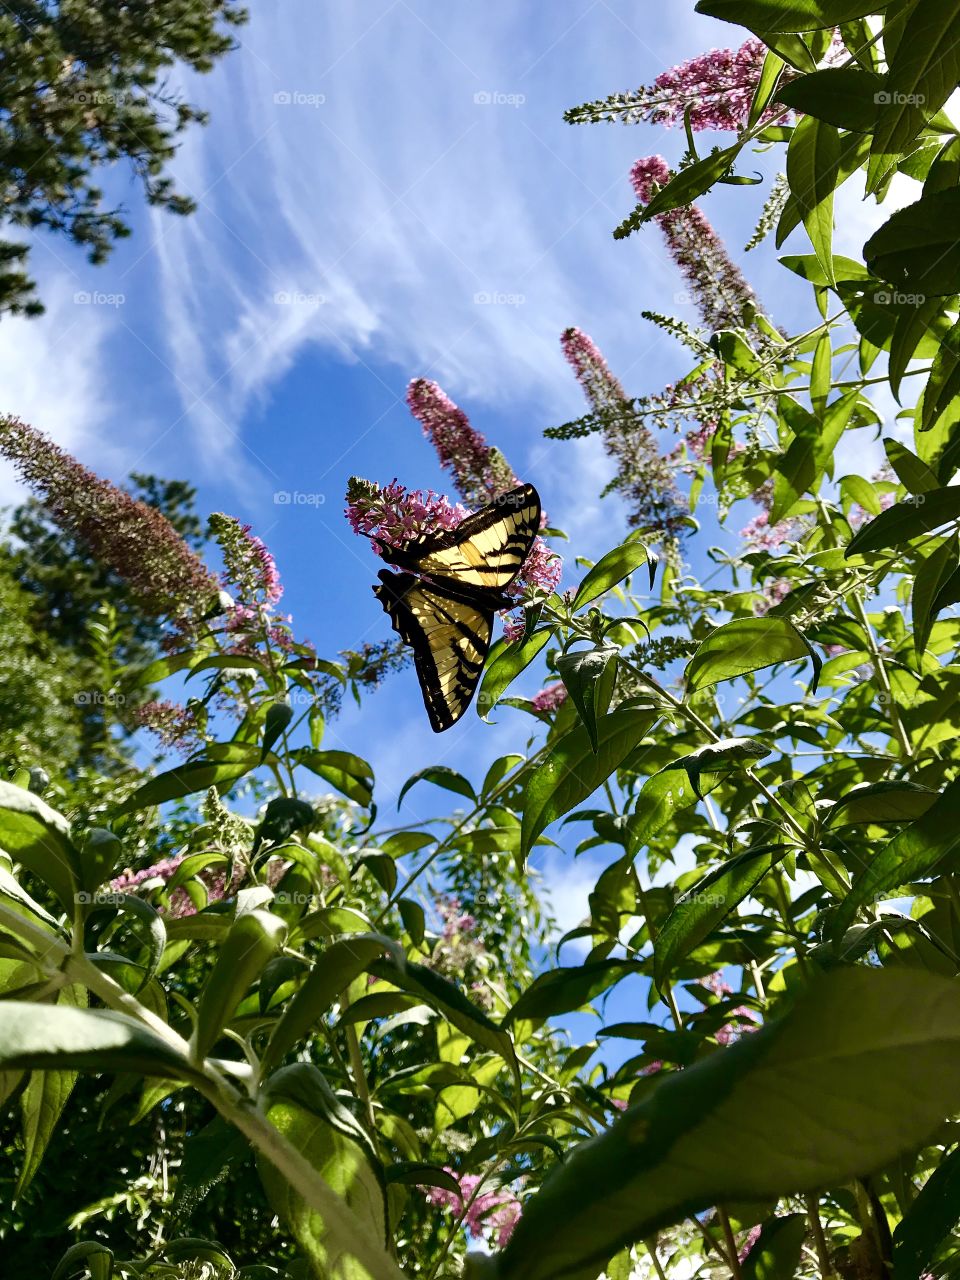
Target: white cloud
51	370
398	219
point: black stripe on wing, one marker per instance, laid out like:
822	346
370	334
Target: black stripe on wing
485	551
449	633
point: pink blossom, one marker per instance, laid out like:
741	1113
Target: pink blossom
173	725
126	535
395	515
491	1213
550	698
249	568
719	290
760	535
583	355
716	86
643	475
751	1239
773	593
514	625
481	473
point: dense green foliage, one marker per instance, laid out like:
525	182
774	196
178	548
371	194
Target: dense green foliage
307	1033
83	86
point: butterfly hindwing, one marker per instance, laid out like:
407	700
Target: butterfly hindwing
486	550
449	634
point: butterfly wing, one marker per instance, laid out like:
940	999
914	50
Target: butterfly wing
486	550
449	635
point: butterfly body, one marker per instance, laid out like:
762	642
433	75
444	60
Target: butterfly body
452	584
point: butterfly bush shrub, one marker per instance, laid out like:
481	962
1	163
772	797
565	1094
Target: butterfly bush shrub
363	1031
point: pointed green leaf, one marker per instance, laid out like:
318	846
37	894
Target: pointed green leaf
348	773
917	852
917	247
589	676
748	644
253	939
230	762
279	715
506	661
860	1070
841	96
813	170
919	514
611	569
573	770
39	838
774	15
441	776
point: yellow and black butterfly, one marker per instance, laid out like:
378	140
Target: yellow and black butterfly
453	584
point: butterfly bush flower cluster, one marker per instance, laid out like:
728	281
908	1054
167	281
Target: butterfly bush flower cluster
490	1214
718	287
124	534
716	87
550	698
480	472
459	953
643	475
395	515
171	724
252	587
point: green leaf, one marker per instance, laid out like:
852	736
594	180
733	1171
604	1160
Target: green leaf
660	797
562	990
39	838
151	926
94	1257
766	84
682	188
774	15
841	96
446	998
234	759
919	514
279	715
914	853
611	569
56	1038
252	941
345	1166
100	854
934	571
697	913
805	462
331	974
923	72
813	170
43	1100
775	1254
507	659
881	802
914	475
349	774
927	1222
917	247
573	770
748	644
943	384
719	756
283	816
440	776
914	324
589	676
414	920
859	1070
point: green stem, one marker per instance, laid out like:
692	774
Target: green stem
733	1256
819	1239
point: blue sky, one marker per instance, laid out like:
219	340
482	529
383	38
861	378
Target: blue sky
386	190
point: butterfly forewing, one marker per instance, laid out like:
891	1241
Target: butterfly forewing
449	635
486	550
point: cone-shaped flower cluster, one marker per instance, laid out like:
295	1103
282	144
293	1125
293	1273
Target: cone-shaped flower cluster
480	472
133	539
643	476
718	288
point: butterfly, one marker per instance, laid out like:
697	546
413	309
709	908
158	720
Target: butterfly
442	604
